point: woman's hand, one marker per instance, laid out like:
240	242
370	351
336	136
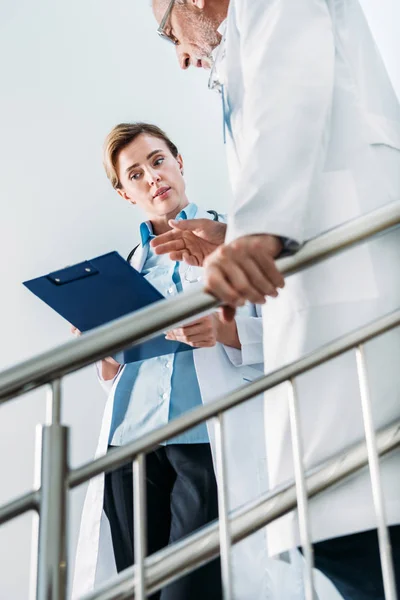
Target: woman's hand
109	366
190	241
227	331
206	332
199	334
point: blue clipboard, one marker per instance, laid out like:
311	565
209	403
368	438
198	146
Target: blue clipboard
100	290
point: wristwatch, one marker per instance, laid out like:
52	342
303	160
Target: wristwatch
289	247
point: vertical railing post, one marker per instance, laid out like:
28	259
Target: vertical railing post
385	550
139	524
223	508
53	405
52	555
301	491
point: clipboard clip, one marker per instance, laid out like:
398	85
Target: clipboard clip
70	274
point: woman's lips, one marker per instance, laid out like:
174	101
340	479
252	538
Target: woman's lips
162	193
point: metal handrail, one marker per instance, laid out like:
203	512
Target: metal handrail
164	566
50	499
123	454
146	443
19	506
149	322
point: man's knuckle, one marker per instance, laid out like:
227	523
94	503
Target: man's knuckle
242	287
233	298
236	245
213	279
256	246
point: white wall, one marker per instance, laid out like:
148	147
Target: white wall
69	72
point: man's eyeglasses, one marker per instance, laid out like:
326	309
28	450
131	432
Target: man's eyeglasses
161	29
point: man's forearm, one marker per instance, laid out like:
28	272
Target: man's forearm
273	245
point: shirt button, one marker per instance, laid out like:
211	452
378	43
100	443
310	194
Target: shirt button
168	365
165	396
171	290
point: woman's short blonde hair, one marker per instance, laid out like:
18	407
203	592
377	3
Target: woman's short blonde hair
120	137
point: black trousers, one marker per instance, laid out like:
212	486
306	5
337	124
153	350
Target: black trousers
181	497
353	565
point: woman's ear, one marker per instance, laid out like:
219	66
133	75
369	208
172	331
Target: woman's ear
198	3
125	196
179	160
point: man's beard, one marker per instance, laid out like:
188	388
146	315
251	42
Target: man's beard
209	38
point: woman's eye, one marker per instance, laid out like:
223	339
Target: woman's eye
135	176
159	161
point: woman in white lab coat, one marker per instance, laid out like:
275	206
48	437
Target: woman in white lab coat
313	140
136	157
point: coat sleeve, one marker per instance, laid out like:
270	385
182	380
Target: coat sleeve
287	64
106	384
250	331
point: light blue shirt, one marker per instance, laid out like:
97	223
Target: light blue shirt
150	393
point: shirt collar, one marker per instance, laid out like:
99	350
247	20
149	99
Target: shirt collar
146	232
146	228
222	28
189	212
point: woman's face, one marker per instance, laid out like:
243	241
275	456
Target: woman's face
151	177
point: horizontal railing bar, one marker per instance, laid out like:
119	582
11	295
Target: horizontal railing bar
182	557
147	323
102	341
128	452
341	238
19	506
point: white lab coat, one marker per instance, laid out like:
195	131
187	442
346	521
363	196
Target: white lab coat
219	371
313	140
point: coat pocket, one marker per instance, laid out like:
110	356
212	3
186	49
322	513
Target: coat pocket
381	130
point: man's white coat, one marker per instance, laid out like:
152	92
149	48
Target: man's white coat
313	140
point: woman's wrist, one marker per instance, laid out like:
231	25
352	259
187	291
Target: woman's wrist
109	368
227	333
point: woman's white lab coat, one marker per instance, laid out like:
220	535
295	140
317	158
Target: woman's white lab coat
219	370
313	140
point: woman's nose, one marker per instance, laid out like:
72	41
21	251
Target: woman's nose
152	177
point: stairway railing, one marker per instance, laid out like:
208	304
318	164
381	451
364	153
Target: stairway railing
50	500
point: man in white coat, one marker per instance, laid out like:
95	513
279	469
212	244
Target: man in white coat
313	140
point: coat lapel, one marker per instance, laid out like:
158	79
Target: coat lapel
139	257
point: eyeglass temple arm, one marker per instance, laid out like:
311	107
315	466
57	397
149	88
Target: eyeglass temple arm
165	17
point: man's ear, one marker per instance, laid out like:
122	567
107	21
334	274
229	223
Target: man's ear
198	3
125	196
